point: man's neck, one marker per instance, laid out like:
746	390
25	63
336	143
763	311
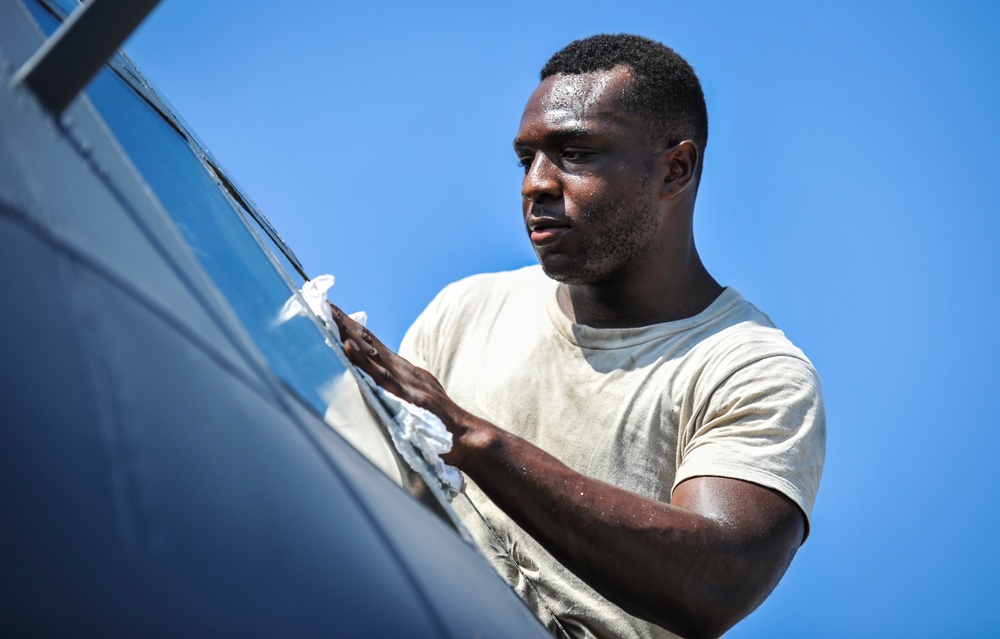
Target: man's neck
632	302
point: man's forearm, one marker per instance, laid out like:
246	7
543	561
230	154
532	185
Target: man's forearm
694	574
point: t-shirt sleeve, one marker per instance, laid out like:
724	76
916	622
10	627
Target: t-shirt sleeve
414	348
420	342
765	424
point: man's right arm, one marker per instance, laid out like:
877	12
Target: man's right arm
695	566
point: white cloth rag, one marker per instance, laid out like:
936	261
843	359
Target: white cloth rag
421	428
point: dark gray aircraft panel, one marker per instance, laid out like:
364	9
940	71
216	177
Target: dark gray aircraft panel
143	252
157	477
162	496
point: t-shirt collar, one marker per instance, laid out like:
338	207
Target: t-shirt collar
614	338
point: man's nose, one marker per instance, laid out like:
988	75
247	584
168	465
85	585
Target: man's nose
540	182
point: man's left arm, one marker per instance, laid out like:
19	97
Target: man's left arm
695	566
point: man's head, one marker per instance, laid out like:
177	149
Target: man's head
665	90
610	172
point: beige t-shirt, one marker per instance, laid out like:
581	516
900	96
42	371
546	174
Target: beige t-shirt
723	393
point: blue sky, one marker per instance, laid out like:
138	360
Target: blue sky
850	191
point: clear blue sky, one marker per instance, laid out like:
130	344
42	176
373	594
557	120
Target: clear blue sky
850	191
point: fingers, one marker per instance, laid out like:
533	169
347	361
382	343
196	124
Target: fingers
349	328
363	348
362	354
369	358
367	353
338	315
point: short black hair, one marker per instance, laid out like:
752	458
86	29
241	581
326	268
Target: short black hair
665	92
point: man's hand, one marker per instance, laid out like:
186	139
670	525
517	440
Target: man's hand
401	378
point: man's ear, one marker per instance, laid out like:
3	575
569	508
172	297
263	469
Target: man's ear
680	165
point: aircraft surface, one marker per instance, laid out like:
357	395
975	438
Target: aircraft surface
178	456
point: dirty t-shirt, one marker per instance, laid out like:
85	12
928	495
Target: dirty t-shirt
723	393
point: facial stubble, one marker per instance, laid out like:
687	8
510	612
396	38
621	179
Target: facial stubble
621	231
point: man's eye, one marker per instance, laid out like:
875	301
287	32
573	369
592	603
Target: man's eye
524	163
574	155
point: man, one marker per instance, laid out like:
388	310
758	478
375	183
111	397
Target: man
645	443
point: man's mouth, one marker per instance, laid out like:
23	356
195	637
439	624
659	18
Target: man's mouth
545	230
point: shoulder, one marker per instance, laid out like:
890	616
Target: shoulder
485	293
468	304
740	336
492	284
747	361
740	359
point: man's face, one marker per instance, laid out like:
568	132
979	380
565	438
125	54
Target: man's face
591	207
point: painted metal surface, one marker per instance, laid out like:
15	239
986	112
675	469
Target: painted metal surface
157	478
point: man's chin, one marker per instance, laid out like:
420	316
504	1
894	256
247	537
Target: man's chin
564	271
